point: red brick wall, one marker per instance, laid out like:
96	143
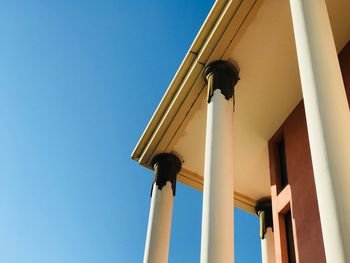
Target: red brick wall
300	195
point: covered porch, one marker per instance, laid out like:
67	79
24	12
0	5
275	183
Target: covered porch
284	52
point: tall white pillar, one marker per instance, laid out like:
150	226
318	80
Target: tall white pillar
217	216
328	122
166	166
268	247
264	211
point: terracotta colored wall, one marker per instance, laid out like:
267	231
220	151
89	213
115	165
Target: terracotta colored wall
344	61
299	195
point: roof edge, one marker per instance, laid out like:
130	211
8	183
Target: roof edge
186	64
220	32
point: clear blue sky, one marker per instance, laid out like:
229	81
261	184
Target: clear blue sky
79	81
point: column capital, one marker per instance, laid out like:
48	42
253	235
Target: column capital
165	166
223	75
263	209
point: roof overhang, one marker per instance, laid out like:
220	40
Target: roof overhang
235	30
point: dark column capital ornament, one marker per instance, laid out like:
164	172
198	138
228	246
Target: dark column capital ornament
165	166
264	210
223	75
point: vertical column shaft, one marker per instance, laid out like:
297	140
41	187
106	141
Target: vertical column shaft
328	122
264	211
217	217
268	247
166	166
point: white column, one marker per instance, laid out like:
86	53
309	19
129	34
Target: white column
264	211
217	217
328	121
166	167
159	225
268	247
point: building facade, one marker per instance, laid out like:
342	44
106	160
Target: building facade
257	117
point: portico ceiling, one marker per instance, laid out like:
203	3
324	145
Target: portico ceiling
258	35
